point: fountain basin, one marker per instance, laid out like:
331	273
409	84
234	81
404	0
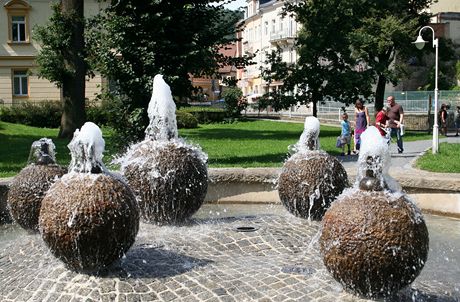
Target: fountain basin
209	259
437	193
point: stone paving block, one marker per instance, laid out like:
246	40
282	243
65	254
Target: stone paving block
168	296
132	298
276	263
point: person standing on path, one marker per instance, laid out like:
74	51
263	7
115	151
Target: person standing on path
457	120
345	135
396	119
361	121
443	117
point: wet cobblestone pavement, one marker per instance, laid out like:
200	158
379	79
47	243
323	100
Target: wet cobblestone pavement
207	260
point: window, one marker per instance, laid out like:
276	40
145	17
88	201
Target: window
18	28
20	83
18	21
266	27
273	26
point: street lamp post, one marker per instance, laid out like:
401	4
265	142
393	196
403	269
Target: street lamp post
419	43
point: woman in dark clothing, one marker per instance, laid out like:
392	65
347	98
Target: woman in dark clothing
361	121
443	117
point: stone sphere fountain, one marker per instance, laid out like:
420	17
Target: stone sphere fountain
89	218
29	187
374	239
168	176
310	179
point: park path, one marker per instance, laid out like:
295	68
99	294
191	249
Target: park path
405	161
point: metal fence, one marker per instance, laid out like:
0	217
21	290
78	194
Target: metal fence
412	101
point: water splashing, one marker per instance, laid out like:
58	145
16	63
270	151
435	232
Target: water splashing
86	149
42	152
309	139
374	160
168	176
162	112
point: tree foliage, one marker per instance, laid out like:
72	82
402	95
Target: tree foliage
133	40
62	60
234	101
346	46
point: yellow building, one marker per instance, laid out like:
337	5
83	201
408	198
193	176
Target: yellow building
18	50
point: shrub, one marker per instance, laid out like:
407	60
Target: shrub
98	112
46	114
186	120
206	115
234	101
128	123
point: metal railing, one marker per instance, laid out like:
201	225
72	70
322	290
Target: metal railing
411	101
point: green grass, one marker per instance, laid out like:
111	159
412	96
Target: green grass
251	143
446	161
258	143
15	142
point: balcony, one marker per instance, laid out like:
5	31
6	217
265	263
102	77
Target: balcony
282	37
249	48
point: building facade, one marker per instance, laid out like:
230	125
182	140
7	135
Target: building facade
18	50
265	31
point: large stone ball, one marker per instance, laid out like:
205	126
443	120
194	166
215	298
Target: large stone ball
27	191
89	220
170	180
374	243
309	182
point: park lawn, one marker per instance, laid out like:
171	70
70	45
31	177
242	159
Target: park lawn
446	161
15	142
253	143
248	143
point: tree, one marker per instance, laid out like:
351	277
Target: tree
337	36
325	68
385	31
234	101
62	61
133	40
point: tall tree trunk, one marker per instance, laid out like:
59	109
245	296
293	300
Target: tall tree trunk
73	88
379	93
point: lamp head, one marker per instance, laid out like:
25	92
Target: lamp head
419	43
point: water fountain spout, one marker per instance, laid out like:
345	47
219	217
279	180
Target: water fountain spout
42	152
162	112
168	176
30	185
86	149
365	221
310	179
88	218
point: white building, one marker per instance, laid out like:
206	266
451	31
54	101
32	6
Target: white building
265	30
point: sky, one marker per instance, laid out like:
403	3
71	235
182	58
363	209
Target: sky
235	4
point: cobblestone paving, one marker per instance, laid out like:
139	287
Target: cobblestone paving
205	261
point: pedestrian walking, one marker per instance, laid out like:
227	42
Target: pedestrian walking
396	121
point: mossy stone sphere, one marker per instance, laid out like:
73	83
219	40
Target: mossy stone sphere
309	182
27	191
374	243
170	180
89	220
